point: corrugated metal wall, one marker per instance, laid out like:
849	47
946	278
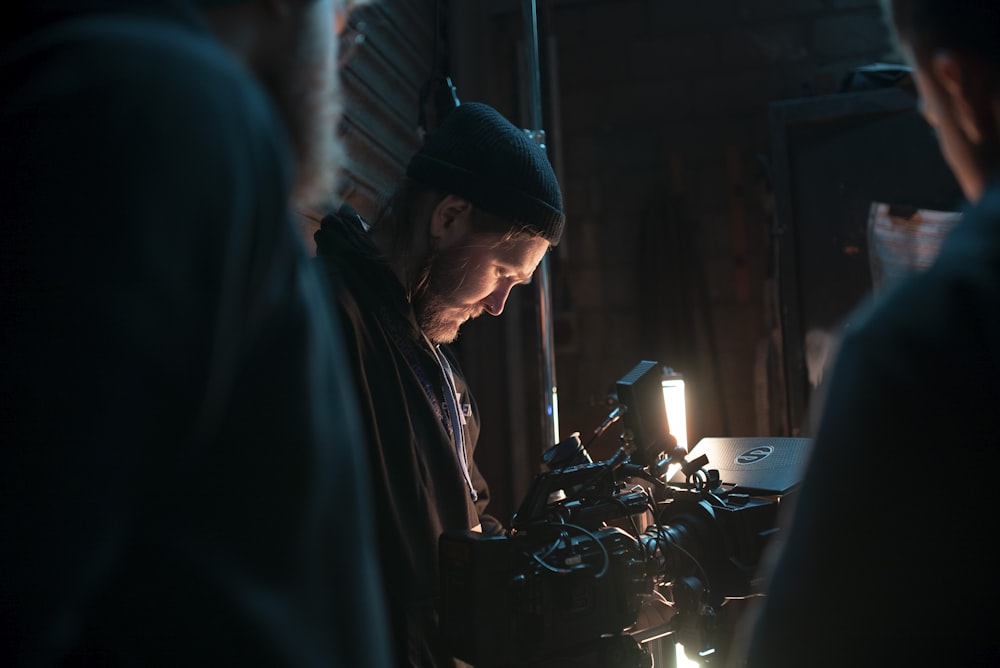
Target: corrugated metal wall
387	52
382	79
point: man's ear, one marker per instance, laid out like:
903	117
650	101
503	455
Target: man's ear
449	220
965	80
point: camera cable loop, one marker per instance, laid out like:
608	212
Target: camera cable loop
698	480
565	571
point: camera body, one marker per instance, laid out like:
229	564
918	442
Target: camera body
593	542
501	607
561	587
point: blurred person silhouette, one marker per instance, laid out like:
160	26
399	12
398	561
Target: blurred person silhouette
479	208
887	557
182	478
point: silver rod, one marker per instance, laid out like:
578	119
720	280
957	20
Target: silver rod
550	412
534	73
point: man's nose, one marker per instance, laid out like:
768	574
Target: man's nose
495	301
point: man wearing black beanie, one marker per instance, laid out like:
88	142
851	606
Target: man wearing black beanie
476	214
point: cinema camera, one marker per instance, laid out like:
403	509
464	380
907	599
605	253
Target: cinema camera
593	542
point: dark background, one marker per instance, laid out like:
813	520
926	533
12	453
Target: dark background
713	169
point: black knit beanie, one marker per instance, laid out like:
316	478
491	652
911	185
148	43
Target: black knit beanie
478	154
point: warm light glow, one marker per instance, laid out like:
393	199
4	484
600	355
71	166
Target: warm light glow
682	659
673	398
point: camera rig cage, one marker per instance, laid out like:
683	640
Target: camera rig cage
593	542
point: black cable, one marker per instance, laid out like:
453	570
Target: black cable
438	88
556	569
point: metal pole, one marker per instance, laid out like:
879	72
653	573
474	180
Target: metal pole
550	412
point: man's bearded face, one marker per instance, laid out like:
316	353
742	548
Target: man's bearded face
470	277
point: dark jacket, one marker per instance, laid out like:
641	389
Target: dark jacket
420	489
181	476
889	558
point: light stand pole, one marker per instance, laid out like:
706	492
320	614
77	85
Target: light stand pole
550	412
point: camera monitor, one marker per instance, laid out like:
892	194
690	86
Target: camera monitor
640	392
